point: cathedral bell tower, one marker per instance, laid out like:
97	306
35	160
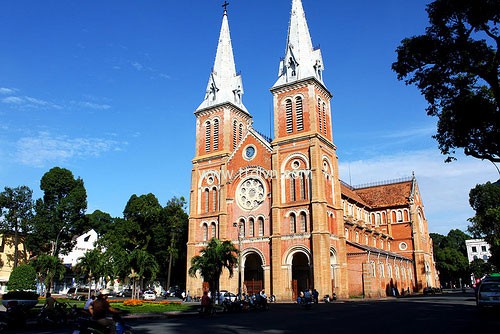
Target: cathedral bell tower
306	199
221	123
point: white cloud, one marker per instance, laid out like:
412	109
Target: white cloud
92	105
12	100
7	91
37	151
25	102
444	187
137	66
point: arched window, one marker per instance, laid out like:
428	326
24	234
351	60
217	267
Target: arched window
205	232
399	215
289	116
241	228
303	222
207	136
299	113
251	227
292	188
393	216
293	223
378	219
214	228
216	134
357	237
235	130
406	218
214	199
207	200
261	226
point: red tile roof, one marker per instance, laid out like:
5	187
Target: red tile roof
387	195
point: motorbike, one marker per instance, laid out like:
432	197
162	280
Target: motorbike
86	325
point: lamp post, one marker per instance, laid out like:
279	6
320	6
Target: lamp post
239	226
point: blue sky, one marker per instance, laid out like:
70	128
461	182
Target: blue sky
108	89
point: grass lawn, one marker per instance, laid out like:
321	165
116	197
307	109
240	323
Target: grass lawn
136	306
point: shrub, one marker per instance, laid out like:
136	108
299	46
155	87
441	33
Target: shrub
23	277
20	295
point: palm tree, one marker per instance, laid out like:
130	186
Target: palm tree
91	265
48	267
216	256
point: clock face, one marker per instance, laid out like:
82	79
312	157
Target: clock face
250	152
250	194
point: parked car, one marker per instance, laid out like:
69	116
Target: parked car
226	295
78	293
149	295
488	294
124	293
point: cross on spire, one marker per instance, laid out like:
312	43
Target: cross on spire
225	5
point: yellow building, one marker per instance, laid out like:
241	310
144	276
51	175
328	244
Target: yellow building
7	258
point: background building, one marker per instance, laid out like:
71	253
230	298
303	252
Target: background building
477	249
282	201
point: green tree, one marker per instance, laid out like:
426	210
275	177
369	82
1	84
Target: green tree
479	268
22	278
455	65
216	256
485	200
100	221
451	257
16	214
145	211
48	268
60	214
169	240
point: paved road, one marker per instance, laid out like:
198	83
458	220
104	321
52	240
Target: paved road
447	313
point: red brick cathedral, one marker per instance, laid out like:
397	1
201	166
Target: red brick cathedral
281	201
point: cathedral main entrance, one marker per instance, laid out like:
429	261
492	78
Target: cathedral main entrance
301	274
253	274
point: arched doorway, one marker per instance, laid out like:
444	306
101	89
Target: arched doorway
301	273
253	274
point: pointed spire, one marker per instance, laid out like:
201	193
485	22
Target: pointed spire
301	60
224	85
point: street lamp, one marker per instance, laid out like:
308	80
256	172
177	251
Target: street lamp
240	228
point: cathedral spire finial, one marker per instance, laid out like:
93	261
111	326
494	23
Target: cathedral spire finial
225	6
301	60
224	84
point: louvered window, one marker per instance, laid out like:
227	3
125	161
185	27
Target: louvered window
292	188
261	226
235	130
240	132
289	116
302	186
303	223
293	223
214	199
251	227
299	114
320	120
205	232
324	118
216	135
207	136
207	198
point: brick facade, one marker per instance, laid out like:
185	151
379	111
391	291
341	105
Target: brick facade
299	225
